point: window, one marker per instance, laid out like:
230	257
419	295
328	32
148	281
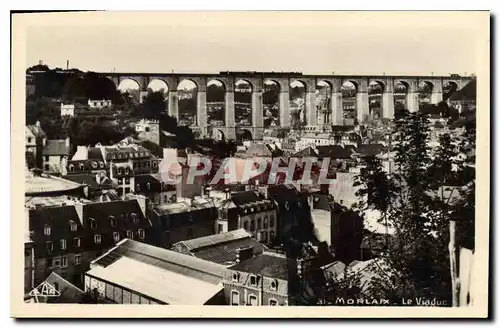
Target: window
190	232
271	221
235	297
252	225
274	284
137	187
46	158
271	236
113	221
97	239
165	198
245	225
148	186
135	219
101	165
253	280
76	241
63	243
50	246
116	236
252	300
287	206
120	170
220	228
46	230
127	181
265	222
29	140
47	167
81	167
120	181
71	168
141	233
126	190
259	223
64	261
94	164
127	171
93	223
236	276
72	226
78	259
55	262
273	302
146	129
155	164
130	234
263	236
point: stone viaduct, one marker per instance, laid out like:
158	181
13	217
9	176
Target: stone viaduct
283	80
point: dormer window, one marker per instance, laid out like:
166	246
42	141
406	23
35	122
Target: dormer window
112	221
120	170
93	223
236	276
46	230
72	226
101	165
127	171
155	164
137	188
71	168
94	165
81	167
253	280
50	246
135	218
97	239
148	185
287	206
130	234
274	284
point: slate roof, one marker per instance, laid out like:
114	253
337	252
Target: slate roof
56	147
222	248
269	265
164	275
306	152
334	152
282	193
370	149
245	197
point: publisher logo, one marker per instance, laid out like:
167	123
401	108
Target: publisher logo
45	289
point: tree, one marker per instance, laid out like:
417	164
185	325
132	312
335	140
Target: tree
153	106
418	254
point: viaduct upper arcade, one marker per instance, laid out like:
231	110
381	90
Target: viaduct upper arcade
334	114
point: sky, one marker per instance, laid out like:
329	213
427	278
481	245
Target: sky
313	43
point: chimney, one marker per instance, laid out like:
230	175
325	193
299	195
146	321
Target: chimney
243	254
206	192
300	268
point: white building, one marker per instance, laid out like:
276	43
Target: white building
99	103
67	110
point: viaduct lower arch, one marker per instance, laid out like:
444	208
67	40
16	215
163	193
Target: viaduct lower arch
313	119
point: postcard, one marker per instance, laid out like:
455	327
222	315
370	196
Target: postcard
250	164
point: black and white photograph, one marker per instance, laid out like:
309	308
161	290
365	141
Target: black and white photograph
321	160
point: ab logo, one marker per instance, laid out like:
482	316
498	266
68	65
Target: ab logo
45	289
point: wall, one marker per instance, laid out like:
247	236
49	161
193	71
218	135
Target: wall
114	293
257	233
